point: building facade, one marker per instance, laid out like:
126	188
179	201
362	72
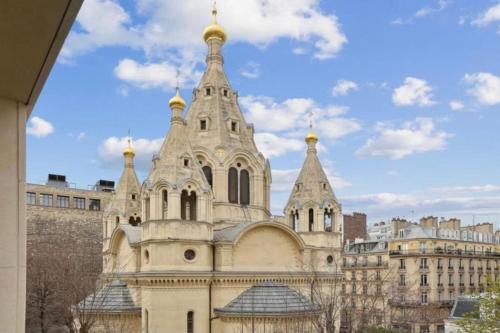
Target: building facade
354	227
422	269
195	242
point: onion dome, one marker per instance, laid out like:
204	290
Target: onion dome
177	102
214	30
129	151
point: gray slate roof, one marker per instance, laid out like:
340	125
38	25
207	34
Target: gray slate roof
115	297
462	306
269	299
230	233
133	233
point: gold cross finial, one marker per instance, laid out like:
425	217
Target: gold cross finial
128	140
177	81
311	115
214	11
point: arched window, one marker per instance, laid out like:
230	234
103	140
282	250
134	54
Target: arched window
117	220
232	182
184	204
244	187
192	206
208	174
164	204
190	322
138	220
311	219
131	221
328	219
295	220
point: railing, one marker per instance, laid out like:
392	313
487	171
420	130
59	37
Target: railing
440	268
450	268
443	252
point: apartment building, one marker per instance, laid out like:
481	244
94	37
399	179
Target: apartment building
429	265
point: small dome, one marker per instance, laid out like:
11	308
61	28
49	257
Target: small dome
311	137
214	30
177	101
129	152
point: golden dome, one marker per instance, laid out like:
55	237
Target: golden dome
311	137
128	151
214	30
177	101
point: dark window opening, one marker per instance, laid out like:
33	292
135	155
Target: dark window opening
95	204
233	185
186	162
62	201
207	91
244	187
164	195
188	206
207	171
328	220
311	219
233	126
203	124
190	322
134	196
189	254
225	92
117	220
295	220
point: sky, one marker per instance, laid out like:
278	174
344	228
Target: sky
405	95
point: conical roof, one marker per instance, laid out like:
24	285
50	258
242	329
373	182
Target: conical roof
269	299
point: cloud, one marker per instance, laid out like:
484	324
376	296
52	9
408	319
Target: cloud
467	189
426	11
489	16
413	137
485	87
163	27
110	152
251	70
292	116
39	127
283	180
272	145
414	91
343	87
456	105
155	75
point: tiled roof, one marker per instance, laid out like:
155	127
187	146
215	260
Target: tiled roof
114	297
269	299
133	233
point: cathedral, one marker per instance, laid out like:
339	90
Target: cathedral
195	248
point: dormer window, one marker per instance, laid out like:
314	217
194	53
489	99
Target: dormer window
207	91
203	124
234	126
186	162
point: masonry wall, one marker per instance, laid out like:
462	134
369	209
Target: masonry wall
354	226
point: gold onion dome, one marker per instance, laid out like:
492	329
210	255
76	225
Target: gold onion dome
214	30
177	101
128	151
311	137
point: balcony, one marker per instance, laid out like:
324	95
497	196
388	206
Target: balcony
424	268
450	268
488	269
402	269
438	252
472	269
461	269
480	270
451	284
440	268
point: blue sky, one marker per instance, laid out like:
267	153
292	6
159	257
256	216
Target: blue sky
405	95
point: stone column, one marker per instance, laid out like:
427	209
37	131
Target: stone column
12	216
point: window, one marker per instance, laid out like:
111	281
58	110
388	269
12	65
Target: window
203	125
440	264
62	201
402	264
379	260
244	187
379	289
439	279
234	126
423	280
328	219
207	171
224	92
189	255
402	280
190	322
329	259
95	204
311	219
45	199
164	204
117	220
79	203
423	263
295	220
188	205
450	279
186	162
31	198
207	91
423	298
377	275
233	185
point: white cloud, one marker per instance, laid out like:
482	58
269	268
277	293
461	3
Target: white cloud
414	91
426	11
299	51
283	180
467	189
456	105
155	75
176	26
110	152
292	116
251	70
343	87
272	145
81	136
418	136
489	16
485	87
39	127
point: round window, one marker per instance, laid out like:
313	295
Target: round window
329	259
189	254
